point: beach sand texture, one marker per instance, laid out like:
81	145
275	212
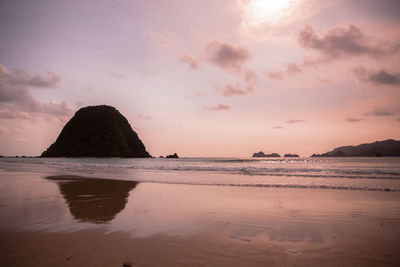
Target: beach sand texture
75	221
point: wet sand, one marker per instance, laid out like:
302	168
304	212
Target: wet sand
74	221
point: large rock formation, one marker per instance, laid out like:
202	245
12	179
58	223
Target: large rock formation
387	148
97	131
262	155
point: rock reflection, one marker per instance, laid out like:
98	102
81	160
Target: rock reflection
94	200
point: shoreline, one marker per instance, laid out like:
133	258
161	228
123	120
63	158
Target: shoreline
72	177
359	174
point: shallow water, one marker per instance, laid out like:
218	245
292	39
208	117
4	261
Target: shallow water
381	174
199	225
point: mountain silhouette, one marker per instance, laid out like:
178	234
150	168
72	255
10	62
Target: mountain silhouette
386	148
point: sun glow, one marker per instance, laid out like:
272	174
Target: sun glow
265	11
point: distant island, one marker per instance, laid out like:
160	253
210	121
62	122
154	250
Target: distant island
386	148
262	155
97	131
291	156
173	156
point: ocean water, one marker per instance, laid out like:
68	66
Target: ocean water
261	212
377	174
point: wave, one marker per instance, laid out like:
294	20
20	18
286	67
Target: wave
338	187
289	172
346	174
280	167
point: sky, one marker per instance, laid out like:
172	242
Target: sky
203	78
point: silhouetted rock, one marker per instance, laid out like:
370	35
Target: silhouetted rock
262	155
291	156
387	148
173	156
97	131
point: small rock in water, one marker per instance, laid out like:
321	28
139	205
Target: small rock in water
127	264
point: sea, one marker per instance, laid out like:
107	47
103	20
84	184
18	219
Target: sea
200	211
373	174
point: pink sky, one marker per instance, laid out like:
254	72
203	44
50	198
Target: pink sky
203	78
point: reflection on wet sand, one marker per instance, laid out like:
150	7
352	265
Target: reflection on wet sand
94	200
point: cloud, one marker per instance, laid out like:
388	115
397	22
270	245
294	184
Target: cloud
232	58
16	101
236	89
3	130
277	127
274	75
382	77
227	56
218	107
3	69
250	80
379	112
25	79
117	75
250	77
193	63
292	69
342	42
294	121
13	114
354	119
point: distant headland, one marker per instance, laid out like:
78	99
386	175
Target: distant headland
386	148
97	131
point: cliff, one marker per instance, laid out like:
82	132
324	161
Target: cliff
386	148
97	131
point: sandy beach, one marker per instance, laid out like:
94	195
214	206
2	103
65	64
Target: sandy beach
76	221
